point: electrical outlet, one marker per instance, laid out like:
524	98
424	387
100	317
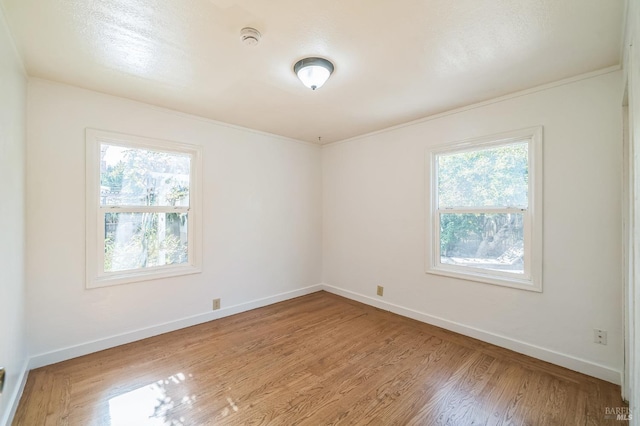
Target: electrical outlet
380	291
599	336
216	304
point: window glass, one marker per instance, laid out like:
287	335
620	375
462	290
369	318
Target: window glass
144	240
142	177
483	240
489	177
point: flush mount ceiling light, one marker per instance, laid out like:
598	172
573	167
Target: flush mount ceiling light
313	72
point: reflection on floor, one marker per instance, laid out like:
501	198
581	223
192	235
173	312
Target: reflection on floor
151	404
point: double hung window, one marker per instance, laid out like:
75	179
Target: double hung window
142	208
485	212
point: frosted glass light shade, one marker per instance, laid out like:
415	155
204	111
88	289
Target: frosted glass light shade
313	72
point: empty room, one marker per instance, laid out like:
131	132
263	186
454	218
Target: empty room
420	212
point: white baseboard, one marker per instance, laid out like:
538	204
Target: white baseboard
14	398
548	355
64	354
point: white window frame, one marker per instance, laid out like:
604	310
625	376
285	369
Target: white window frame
532	278
95	275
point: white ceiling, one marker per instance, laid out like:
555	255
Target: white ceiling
395	61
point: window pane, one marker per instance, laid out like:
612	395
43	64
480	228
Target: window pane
141	177
492	177
144	240
486	241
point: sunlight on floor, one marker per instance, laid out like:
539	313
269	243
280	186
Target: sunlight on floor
154	404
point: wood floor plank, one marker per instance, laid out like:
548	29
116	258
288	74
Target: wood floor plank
314	360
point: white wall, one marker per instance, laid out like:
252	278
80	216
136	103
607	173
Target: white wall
13	93
261	223
374	234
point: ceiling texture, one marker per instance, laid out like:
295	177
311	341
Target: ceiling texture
395	61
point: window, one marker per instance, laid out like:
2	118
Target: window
142	208
486	210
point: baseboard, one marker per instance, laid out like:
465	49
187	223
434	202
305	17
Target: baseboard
573	363
14	398
70	352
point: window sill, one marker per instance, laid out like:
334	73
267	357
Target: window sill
521	284
128	277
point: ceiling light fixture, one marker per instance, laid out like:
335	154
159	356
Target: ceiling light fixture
313	72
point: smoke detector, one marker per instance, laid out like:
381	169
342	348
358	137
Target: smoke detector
250	36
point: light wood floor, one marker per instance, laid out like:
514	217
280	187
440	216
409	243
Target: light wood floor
315	360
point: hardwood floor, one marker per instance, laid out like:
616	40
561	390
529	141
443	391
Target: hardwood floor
315	360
